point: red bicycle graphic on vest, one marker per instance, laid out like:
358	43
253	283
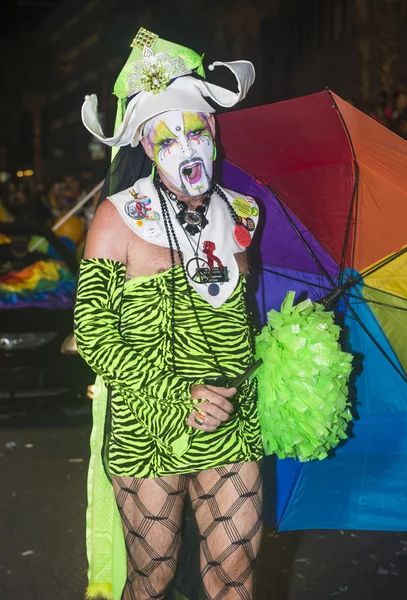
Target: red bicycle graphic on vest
205	271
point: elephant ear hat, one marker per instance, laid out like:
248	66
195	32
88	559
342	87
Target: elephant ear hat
160	76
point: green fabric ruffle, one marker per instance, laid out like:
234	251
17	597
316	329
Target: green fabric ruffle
303	406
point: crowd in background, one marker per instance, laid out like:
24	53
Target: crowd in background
391	111
30	202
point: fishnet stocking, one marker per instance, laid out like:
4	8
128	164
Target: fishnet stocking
227	502
151	513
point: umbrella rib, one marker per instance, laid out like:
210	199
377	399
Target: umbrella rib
334	285
376	343
382	263
332	282
304	241
355	196
310	284
371	287
277	197
354	202
369	301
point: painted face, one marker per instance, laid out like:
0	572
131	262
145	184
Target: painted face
183	150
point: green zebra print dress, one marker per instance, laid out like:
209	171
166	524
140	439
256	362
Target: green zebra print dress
124	331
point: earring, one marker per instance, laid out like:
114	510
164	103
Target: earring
215	153
153	170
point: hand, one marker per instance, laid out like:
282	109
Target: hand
215	406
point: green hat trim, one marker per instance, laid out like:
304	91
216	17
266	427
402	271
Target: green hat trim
148	47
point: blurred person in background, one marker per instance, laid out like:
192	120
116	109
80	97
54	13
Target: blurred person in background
399	117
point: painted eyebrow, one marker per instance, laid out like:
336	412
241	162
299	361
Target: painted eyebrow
197	129
162	139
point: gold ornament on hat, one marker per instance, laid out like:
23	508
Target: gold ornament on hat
153	72
144	38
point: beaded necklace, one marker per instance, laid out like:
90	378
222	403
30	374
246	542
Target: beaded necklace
192	221
173	241
197	268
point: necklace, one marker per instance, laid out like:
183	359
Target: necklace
173	241
201	268
241	230
192	221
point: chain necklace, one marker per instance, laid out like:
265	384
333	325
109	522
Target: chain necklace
197	268
241	231
173	240
191	241
192	221
248	282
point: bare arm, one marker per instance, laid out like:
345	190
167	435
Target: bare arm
108	235
109	238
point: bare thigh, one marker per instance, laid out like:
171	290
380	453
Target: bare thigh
228	504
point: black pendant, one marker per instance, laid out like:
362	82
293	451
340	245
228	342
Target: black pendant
193	218
193	221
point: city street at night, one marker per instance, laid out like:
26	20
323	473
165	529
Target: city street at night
205	205
43	460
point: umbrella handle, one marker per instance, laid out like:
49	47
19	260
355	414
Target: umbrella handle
337	293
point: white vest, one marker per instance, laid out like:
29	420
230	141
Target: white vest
142	213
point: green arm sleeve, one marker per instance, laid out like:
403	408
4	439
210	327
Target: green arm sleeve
97	333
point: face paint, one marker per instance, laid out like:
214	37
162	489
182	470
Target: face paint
183	149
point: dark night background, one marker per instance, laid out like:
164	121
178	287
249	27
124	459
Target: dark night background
54	52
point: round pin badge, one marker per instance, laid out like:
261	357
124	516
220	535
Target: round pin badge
135	209
250	224
255	211
242	207
151	230
242	236
213	289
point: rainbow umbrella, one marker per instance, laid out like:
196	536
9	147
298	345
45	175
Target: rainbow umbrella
332	184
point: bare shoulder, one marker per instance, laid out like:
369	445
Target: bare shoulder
108	235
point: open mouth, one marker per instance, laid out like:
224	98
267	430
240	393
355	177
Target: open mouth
192	172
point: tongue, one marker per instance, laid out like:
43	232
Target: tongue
194	173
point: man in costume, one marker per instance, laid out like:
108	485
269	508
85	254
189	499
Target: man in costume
161	317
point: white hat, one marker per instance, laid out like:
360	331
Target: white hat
162	81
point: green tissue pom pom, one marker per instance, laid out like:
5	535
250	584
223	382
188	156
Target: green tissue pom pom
303	395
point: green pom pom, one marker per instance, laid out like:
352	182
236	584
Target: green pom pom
303	396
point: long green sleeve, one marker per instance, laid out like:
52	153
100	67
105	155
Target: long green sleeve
100	343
